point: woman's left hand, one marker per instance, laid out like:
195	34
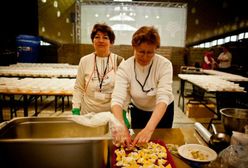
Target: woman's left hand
143	136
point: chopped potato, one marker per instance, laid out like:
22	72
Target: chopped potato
146	155
198	155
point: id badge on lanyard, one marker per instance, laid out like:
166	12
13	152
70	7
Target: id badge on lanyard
99	95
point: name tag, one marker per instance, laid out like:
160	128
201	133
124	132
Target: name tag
100	96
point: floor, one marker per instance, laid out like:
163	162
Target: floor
47	108
180	118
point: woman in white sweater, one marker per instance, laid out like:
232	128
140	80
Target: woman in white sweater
96	74
146	78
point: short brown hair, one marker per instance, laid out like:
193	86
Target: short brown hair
147	34
104	28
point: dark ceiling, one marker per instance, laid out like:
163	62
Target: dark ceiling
209	19
206	19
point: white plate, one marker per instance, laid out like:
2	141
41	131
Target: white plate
204	153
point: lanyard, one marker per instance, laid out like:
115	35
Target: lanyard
104	73
142	86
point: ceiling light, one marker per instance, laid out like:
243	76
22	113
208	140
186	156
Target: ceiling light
67	20
58	13
123	27
117	8
55	4
125	8
43	29
121	18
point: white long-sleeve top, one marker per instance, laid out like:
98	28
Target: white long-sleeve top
86	93
225	59
160	79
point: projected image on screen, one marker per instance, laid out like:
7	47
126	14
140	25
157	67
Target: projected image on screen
125	19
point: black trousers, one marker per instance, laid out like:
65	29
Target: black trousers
139	118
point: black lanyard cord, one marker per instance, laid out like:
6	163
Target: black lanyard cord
104	73
142	86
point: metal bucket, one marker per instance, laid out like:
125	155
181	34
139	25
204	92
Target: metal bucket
52	142
234	119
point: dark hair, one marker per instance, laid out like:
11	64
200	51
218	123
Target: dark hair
104	28
147	34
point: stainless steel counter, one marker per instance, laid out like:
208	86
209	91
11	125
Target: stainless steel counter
39	142
59	142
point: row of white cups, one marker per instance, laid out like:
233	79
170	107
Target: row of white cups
37	85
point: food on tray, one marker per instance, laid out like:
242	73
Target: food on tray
146	155
172	148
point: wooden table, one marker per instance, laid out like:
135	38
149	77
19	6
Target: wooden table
26	95
225	75
41	70
179	136
225	93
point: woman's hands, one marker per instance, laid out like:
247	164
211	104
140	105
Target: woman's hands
121	137
143	136
120	134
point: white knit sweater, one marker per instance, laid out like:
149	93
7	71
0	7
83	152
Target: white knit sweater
86	94
160	78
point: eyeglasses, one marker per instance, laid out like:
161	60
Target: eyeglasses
143	53
104	38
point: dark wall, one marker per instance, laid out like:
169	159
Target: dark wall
48	54
239	52
17	17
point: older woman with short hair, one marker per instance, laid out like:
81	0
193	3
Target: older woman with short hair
145	78
96	74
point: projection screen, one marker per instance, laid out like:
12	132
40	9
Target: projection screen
126	18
